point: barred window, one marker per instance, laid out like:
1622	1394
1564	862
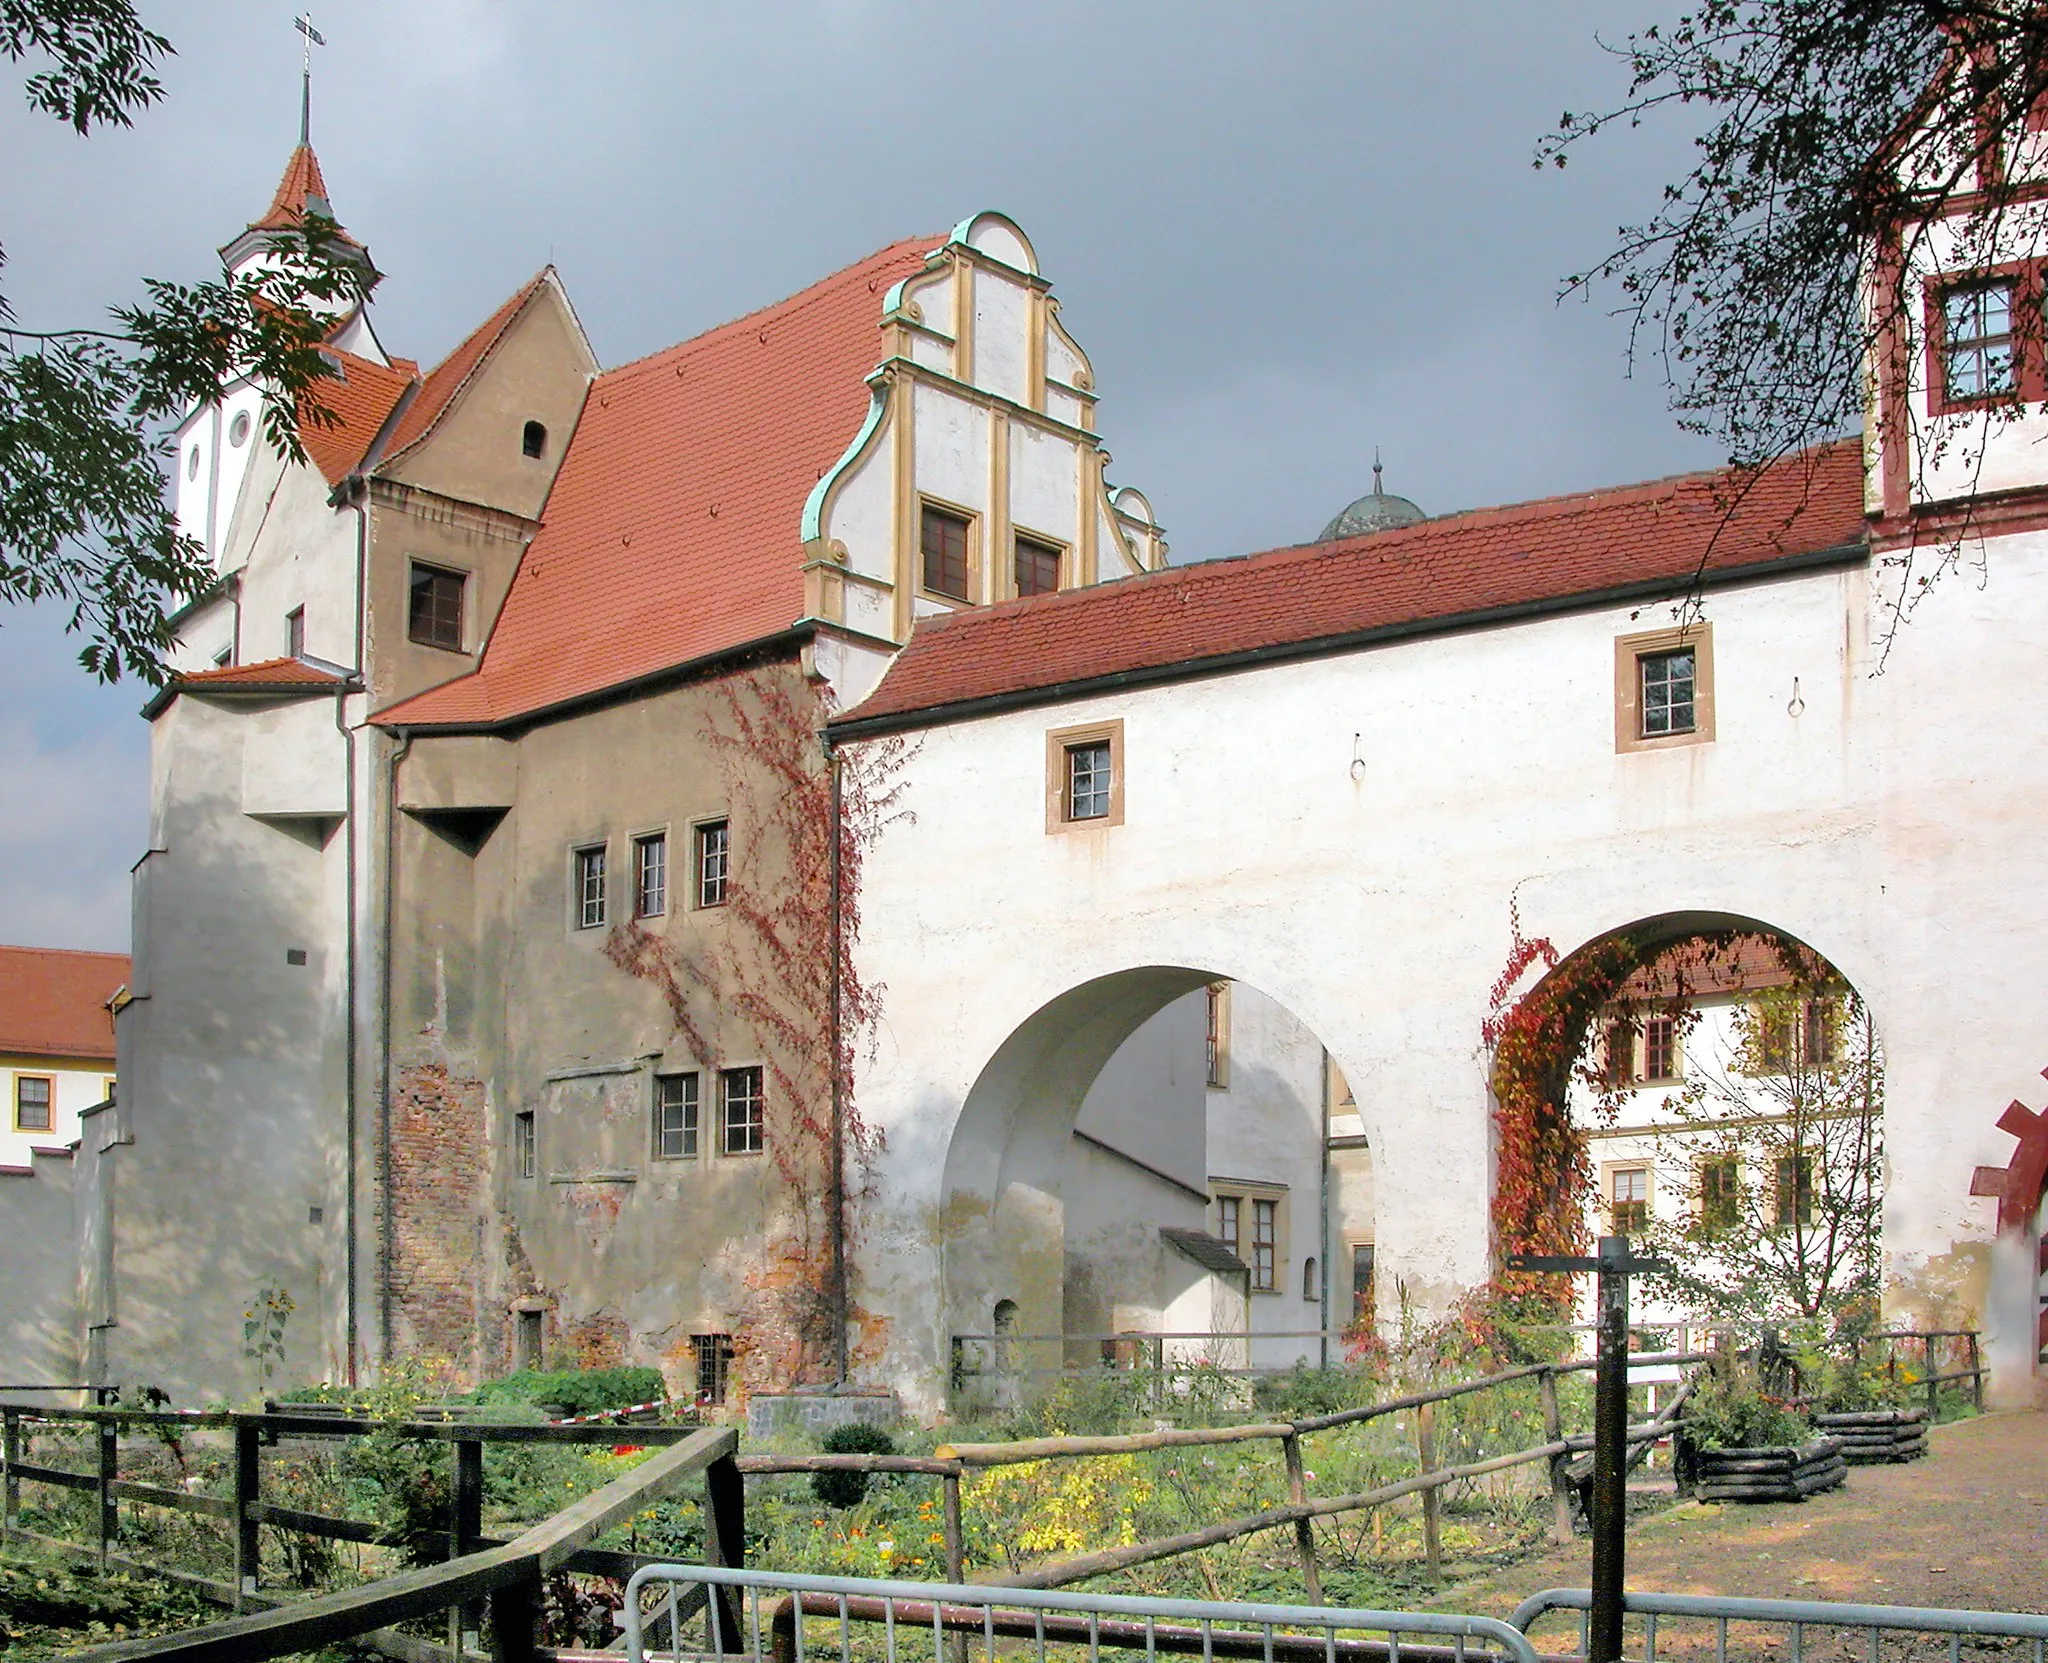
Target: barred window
1668	687
1977	343
714	1366
589	896
742	1111
675	1117
714	862
650	875
944	546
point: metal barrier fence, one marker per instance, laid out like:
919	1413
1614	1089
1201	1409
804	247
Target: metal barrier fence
912	1620
1907	1624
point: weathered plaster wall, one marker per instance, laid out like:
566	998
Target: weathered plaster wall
1882	819
39	1328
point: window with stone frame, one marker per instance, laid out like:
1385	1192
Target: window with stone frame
742	1111
1978	356
1793	1200
675	1117
1618	1055
1037	565
1265	1244
434	607
1230	1223
588	891
650	875
1660	1050
1217	1039
1628	1199
524	1153
714	862
1720	1193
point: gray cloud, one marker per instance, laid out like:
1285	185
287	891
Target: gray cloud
1285	233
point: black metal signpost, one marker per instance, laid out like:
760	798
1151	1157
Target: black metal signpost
1614	1266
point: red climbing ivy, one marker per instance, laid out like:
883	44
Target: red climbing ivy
774	972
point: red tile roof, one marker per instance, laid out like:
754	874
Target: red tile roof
362	397
672	530
1739	965
1463	566
452	374
272	674
301	180
53	1002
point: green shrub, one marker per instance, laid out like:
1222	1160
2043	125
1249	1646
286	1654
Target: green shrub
1304	1391
849	1489
580	1391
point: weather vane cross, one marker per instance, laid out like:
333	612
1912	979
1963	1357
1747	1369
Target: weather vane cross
304	24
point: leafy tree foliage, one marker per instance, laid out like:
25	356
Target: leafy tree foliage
84	518
1832	126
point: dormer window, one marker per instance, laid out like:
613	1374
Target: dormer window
534	441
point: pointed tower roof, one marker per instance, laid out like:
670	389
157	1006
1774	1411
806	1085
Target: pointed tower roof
301	190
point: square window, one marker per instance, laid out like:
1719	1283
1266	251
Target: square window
1265	1244
1977	358
34	1103
675	1117
434	608
714	1353
742	1112
524	1156
714	862
1084	776
1628	1198
944	538
1664	688
1037	565
650	875
588	894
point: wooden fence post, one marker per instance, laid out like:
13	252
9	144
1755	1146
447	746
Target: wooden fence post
248	1491
725	1544
1425	1454
515	1610
1933	1386
1976	1371
109	1470
956	1545
465	1525
1560	1478
1304	1530
10	1510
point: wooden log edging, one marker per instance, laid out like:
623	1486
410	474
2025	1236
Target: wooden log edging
1781	1473
1874	1436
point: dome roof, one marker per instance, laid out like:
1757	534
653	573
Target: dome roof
1375	511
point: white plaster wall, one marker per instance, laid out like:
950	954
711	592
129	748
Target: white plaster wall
952	448
293	760
299	552
1891	822
1002	334
1043	484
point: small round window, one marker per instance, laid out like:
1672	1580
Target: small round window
238	429
192	464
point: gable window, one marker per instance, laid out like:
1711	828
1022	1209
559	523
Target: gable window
1720	1194
1977	358
34	1100
1085	784
434	607
1660	1049
523	1153
1628	1199
1664	688
588	896
714	862
943	543
1037	565
742	1112
1218	1038
533	440
650	875
295	633
675	1117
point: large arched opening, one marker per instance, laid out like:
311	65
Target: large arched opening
1708	1083
1159	1164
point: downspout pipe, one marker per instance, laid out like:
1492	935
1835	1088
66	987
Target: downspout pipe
351	1120
387	1228
835	1204
1323	1212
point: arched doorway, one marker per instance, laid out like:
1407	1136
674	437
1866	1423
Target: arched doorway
1161	1165
1714	1085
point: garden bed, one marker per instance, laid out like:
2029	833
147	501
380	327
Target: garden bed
1786	1472
1870	1437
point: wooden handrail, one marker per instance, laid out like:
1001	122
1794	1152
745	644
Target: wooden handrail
434	1588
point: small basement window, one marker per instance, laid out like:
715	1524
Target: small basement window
534	440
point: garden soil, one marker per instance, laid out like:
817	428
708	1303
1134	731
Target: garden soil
1964	1527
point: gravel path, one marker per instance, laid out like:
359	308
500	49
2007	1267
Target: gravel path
1967	1526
